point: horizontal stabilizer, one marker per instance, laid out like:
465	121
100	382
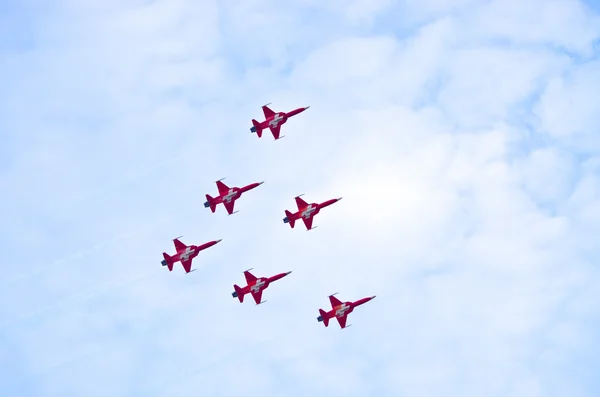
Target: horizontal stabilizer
256	128
289	218
238	293
210	203
168	261
323	317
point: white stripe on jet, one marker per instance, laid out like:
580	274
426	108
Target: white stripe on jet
309	210
229	195
340	312
186	254
256	287
278	117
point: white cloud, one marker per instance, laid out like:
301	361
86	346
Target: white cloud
121	121
564	24
566	110
480	90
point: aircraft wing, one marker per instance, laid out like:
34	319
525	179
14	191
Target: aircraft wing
250	278
257	296
275	131
334	301
187	265
301	203
179	246
342	320
223	188
267	112
229	206
308	222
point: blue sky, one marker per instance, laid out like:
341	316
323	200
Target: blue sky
462	136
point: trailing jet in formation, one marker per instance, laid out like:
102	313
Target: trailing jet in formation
340	310
185	254
273	121
227	196
255	286
306	212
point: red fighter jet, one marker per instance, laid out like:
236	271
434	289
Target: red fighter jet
185	254
306	212
340	310
227	196
255	286
273	121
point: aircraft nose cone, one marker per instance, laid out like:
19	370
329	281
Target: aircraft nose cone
306	107
288	273
218	241
260	183
374	296
339	198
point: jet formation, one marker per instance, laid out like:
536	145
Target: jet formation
229	195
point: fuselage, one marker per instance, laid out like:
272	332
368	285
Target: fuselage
312	209
278	119
232	194
260	284
344	309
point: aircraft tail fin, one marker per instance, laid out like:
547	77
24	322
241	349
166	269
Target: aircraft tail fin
290	219
238	293
323	317
257	128
168	261
210	202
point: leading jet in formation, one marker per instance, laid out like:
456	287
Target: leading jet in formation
273	121
306	212
255	286
227	196
340	310
185	254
